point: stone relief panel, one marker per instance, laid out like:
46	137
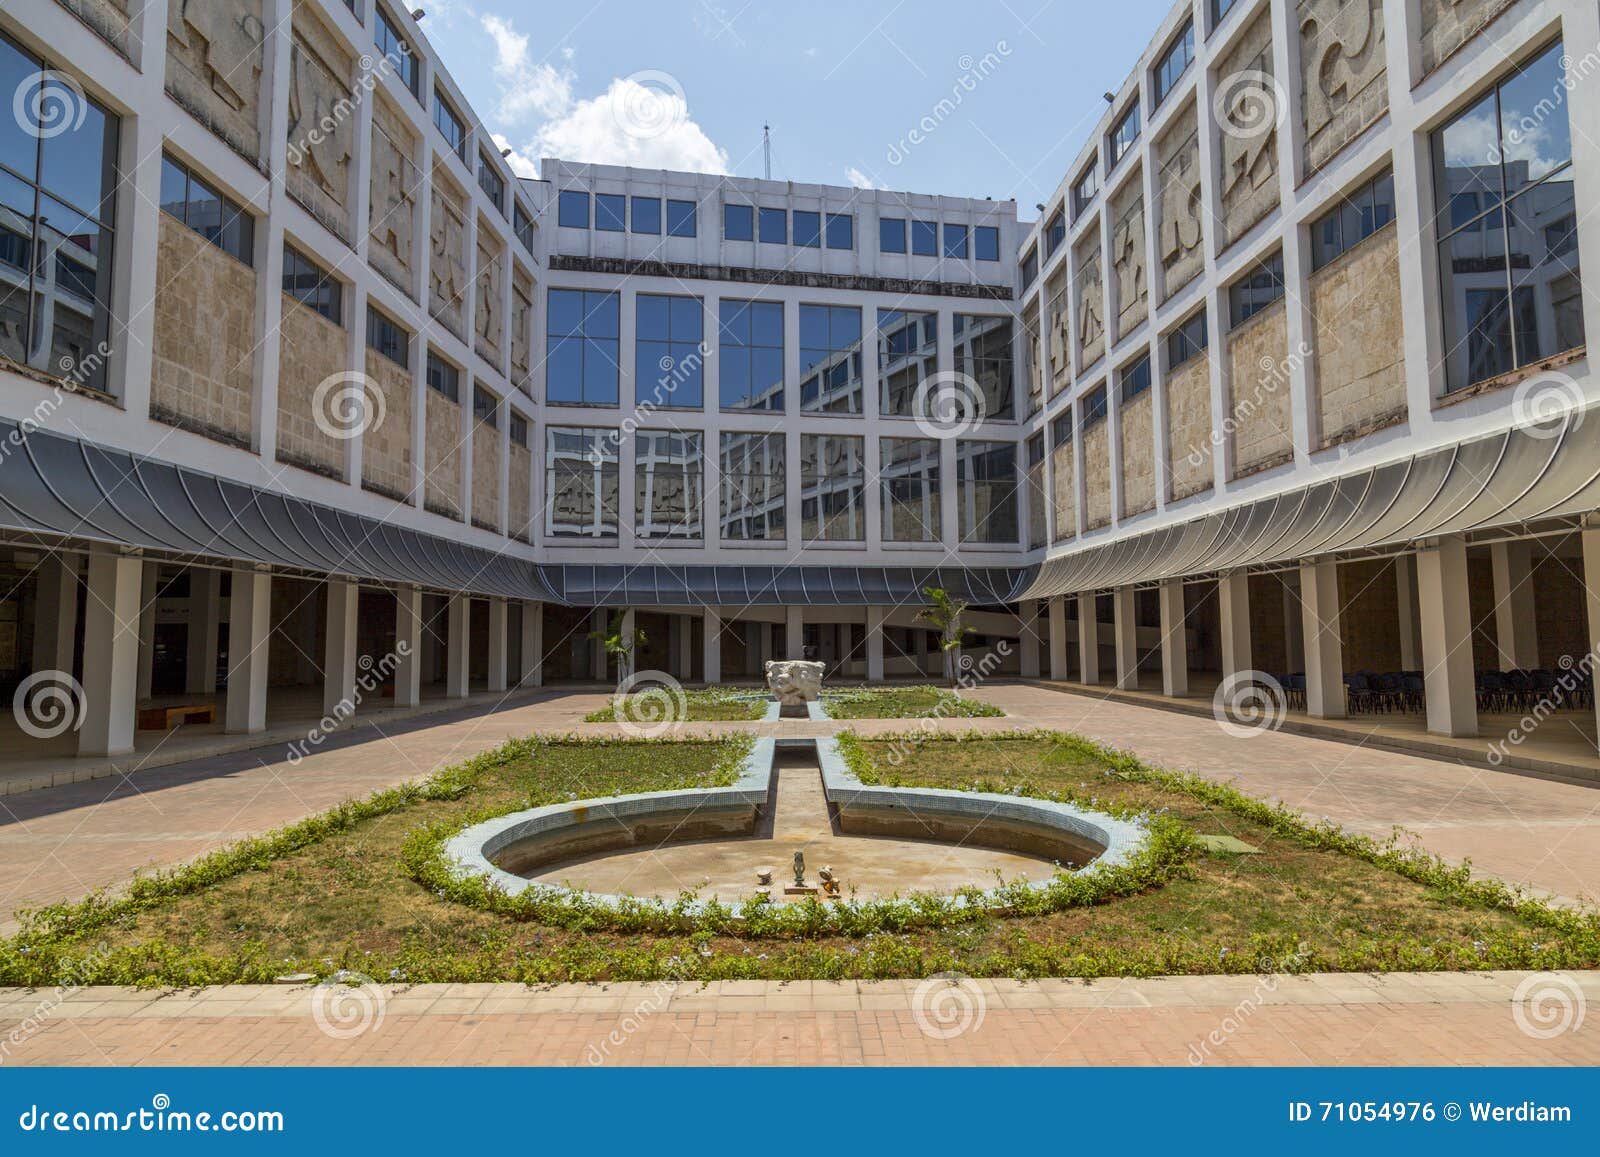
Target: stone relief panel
1344	83
214	62
447	266
1190	446
1359	335
386	446
1060	336
521	513
1030	359
1097	475
1129	257
1090	324
1259	413
485	476
1065	499
108	18
521	330
395	181
488	320
1448	24
441	440
322	123
1137	437
311	349
1248	104
1180	242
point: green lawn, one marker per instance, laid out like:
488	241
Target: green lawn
893	702
336	892
710	705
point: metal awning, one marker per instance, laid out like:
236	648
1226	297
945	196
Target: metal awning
743	586
1510	478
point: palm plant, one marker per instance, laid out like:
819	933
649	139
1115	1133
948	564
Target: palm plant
620	644
945	612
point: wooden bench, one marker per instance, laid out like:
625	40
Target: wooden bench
166	718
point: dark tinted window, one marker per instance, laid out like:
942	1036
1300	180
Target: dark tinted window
841	231
891	235
387	338
443	378
209	213
573	209
1188	340
1356	218
312	286
925	238
775	226
955	241
807	228
681	219
1257	289
738	223
647	215
609	209
986	243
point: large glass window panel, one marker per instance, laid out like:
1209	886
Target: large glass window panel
891	235
909	476
955	241
774	225
608	212
830	359
738	223
986	490
1547	314
925	238
77	159
669	358
646	215
16	265
841	231
807	228
753	487
908	353
581	348
983	355
668	472
19	139
572	209
750	355
581	482
681	219
1535	140
986	243
833	480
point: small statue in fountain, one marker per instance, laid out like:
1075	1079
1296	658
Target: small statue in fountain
830	882
799	869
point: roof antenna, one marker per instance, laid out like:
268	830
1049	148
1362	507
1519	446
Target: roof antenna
766	148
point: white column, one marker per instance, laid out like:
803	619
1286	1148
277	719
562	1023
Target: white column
1028	638
876	617
249	625
205	615
339	652
1591	587
1056	609
1516	630
794	634
110	654
1125	629
407	647
628	663
147	628
1174	640
1405	581
711	657
497	644
55	619
457	644
1324	650
532	644
1088	640
1233	602
1446	615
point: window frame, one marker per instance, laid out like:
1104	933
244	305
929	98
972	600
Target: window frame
674	228
565	200
1184	39
333	309
442	106
730	210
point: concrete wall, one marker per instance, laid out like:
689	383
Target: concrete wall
1249	173
396	185
1259	411
485	475
447	263
442	450
1448	24
311	350
1181	223
322	149
1189	441
1360	343
1344	83
386	447
1129	281
1138	445
1097	475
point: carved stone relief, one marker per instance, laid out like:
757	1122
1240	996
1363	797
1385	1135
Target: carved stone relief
1344	80
214	60
1090	324
447	267
1060	336
521	329
109	18
1448	24
487	320
392	211
1249	104
1180	242
322	123
1129	257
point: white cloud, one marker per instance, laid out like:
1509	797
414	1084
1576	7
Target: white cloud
527	87
860	180
521	164
632	124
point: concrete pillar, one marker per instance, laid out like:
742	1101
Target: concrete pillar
711	657
628	662
147	628
457	646
55	617
339	653
1088	640
1294	637
110	654
1028	638
876	618
1591	587
1324	651
249	628
1125	630
1174	640
1233	601
1446	615
1056	610
532	644
497	644
408	635
205	615
1405	580
1516	630
794	633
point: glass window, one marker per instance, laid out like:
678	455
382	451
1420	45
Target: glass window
738	223
1508	257
388	338
397	51
830	359
1038	497
519	430
647	215
668	350
485	407
750	355
581	351
986	491
841	231
522	225
833	479
215	217
891	234
1353	220
1219	9
983	358
925	238
573	209
493	184
443	378
1028	273
1174	62
668	476
955	241
681	219
1094	408
449	125
807	228
774	226
312	286
1061	429
909	473
986	243
1085	189
753	487
582	481
1055	233
1187	341
1124	133
908	355
1257	289
1135	379
609	212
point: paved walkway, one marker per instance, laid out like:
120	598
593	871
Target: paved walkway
1401	1019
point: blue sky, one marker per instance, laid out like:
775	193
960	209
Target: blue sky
687	85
